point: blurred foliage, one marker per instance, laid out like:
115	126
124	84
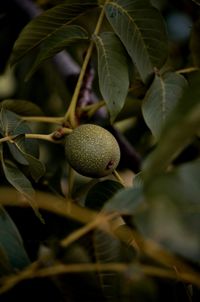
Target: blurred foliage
102	239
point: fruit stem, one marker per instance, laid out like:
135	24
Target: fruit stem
70	114
118	177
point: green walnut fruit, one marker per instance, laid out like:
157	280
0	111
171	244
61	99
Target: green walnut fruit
92	151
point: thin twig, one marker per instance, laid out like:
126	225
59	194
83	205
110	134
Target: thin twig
83	230
34	272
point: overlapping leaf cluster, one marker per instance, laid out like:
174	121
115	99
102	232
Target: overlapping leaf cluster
163	202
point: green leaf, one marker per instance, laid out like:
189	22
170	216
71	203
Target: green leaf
12	124
57	42
36	168
100	193
21	107
20	182
5	266
24	151
46	25
112	71
180	129
11	242
126	201
161	99
172	213
142	30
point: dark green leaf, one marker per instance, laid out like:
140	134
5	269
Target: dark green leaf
17	154
21	107
100	193
57	42
11	242
172	213
5	266
126	201
36	168
18	179
161	99
142	30
11	124
179	130
20	182
46	25
112	71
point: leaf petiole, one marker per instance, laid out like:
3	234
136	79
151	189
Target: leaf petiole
43	119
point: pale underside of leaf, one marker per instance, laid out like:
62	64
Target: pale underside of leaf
142	31
57	42
112	72
161	99
47	24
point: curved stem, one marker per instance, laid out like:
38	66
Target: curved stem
70	114
187	70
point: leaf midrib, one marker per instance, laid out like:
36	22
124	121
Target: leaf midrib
99	39
163	100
